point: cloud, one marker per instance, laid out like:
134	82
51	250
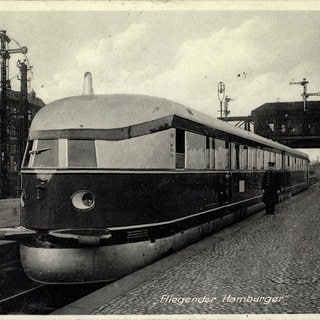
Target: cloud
114	60
120	48
256	59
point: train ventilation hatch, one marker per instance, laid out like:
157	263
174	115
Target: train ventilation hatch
87	85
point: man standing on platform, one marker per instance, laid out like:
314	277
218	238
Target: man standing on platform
270	188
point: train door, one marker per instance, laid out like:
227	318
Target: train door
217	189
307	169
223	188
229	186
222	160
209	192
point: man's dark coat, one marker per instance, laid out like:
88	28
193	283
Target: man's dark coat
270	185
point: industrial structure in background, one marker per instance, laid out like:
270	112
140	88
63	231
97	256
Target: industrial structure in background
288	123
16	112
295	124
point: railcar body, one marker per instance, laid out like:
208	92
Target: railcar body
112	183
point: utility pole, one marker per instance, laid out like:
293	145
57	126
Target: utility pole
5	84
305	127
226	110
305	94
23	114
304	83
3	115
224	101
221	94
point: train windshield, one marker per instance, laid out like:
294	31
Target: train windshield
43	154
60	153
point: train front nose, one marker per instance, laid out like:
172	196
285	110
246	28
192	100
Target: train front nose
61	200
67	265
71	241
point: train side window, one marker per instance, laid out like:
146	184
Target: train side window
278	161
260	159
233	152
252	158
180	149
227	151
81	153
235	156
212	152
293	165
273	157
27	153
243	157
45	154
221	154
255	158
195	150
289	162
266	158
207	153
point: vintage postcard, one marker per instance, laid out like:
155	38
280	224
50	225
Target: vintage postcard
159	159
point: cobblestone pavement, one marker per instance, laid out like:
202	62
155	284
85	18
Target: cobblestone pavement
269	257
9	213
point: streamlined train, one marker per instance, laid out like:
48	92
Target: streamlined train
111	183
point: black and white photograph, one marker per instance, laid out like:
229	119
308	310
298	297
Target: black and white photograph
160	159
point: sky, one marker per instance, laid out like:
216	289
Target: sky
180	55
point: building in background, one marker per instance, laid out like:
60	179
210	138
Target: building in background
290	123
17	135
16	112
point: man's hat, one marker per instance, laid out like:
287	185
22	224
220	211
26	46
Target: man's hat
271	164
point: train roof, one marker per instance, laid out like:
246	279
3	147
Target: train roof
117	111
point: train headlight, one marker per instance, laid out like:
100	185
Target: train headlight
83	200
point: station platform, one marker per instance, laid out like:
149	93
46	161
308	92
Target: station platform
9	217
9	212
266	264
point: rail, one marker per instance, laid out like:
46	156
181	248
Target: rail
42	298
15	301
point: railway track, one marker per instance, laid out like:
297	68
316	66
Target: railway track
20	295
14	302
14	285
313	180
44	299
